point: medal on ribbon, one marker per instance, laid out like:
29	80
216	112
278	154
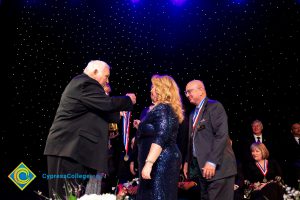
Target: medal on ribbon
263	170
126	122
197	115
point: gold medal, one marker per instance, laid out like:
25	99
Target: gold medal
113	127
126	157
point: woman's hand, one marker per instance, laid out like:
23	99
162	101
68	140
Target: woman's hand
259	186
147	170
153	154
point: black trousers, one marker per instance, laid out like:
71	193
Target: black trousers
221	189
68	177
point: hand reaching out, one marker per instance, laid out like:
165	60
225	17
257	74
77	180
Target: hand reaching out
132	97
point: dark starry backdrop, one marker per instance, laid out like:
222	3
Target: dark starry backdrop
245	51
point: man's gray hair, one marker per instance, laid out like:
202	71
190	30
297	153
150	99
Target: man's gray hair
257	122
95	65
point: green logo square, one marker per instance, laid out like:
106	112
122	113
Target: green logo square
21	176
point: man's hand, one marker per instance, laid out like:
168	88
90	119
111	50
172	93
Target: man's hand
208	171
132	97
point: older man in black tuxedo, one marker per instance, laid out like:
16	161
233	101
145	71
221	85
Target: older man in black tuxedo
78	138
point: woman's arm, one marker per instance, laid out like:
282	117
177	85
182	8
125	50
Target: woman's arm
153	154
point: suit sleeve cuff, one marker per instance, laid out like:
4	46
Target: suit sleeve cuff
212	164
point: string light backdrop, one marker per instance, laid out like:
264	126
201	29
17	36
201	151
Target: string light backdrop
246	52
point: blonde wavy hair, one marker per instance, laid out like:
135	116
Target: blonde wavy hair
168	93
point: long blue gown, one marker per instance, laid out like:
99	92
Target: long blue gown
160	126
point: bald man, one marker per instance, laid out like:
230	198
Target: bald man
77	143
209	151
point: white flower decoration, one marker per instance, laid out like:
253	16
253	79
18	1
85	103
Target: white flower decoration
98	197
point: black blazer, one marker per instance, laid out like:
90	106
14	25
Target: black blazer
291	157
80	127
292	150
212	141
253	174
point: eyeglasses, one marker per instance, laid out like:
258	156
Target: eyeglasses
189	91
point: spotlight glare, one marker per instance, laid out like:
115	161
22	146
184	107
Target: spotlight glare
178	2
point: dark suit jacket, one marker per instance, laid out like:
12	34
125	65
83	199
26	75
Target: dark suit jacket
80	128
291	157
292	150
212	141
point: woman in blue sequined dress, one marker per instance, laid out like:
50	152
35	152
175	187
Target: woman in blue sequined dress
158	155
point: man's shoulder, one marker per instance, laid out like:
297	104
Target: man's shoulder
82	77
214	103
84	80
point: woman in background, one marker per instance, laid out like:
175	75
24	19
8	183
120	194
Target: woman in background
262	174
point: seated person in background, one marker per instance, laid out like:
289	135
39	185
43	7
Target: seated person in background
292	156
261	173
257	135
